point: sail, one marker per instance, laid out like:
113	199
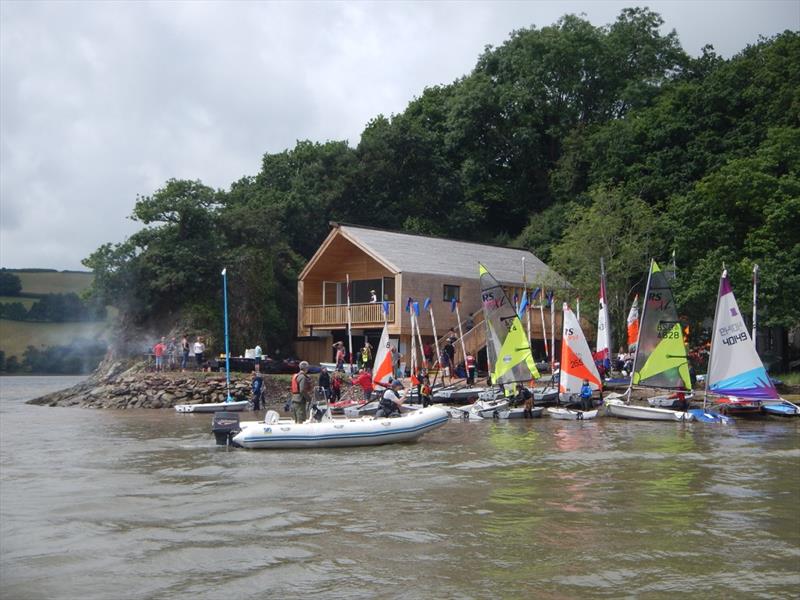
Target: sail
734	367
603	328
382	370
633	325
661	355
577	364
513	360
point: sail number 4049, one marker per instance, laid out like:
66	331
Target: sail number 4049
735	339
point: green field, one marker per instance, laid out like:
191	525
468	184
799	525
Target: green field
26	302
16	336
54	282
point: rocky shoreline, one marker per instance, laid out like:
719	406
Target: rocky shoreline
122	385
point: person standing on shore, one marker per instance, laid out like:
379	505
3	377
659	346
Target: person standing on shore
586	395
257	352
184	353
159	349
325	382
339	348
301	393
198	349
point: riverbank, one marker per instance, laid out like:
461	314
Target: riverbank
124	385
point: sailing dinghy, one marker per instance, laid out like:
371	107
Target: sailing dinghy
508	349
660	360
736	375
577	366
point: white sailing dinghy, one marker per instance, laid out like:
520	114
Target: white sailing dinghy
508	348
660	360
577	366
736	376
230	404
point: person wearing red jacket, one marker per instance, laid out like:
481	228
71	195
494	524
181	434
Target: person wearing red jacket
364	381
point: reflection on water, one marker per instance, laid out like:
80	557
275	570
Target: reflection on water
95	502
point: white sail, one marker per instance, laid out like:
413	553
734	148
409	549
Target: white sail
603	327
735	368
577	363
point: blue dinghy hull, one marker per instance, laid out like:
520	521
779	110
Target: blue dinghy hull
704	416
781	409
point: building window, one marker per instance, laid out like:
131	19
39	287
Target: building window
452	291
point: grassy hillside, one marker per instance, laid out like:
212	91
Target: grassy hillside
54	282
15	336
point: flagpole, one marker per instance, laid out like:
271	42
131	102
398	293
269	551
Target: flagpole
227	350
413	365
349	328
755	305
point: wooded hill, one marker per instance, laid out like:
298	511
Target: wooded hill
574	141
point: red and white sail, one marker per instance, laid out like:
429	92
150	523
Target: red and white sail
603	327
577	362
382	371
633	325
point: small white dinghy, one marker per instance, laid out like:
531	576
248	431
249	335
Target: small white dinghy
211	407
566	414
519	413
618	408
666	400
274	432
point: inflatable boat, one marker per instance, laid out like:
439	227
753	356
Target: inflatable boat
275	432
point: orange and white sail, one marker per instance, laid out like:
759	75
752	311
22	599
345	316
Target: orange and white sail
633	325
577	362
382	370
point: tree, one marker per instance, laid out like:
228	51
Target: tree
623	230
10	284
744	213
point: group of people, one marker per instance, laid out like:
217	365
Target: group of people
171	355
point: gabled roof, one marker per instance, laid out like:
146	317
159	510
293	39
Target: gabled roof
408	253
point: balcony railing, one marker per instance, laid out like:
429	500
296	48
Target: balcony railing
336	314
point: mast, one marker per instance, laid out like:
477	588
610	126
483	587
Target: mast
755	306
227	351
525	295
349	327
641	322
552	330
461	337
415	306
433	324
544	329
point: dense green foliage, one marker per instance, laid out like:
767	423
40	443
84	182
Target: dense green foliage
77	358
54	308
573	140
10	284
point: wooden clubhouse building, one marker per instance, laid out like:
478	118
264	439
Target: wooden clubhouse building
396	266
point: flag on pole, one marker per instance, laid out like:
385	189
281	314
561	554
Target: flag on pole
453	303
427	304
408	304
415	306
550	295
535	293
523	305
386	307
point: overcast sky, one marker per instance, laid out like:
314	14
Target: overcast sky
101	101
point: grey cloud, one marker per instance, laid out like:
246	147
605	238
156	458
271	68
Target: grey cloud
100	102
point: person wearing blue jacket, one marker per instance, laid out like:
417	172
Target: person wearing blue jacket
586	395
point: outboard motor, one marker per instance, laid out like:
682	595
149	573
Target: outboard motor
224	426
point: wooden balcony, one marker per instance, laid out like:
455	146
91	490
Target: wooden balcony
335	315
